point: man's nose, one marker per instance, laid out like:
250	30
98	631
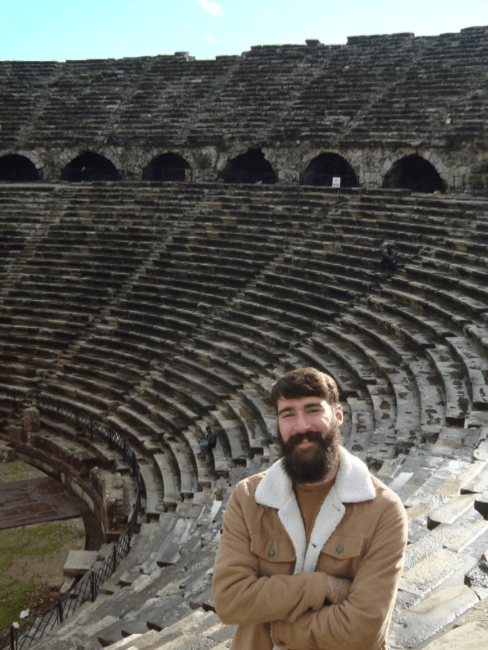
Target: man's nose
301	423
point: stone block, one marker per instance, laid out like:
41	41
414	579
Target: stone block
417	624
469	636
450	511
7	454
481	452
32	420
16	433
479	614
430	541
478	482
79	562
432	571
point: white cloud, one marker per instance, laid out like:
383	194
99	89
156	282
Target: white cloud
209	39
210	7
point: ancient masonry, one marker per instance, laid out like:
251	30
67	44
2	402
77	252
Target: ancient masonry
172	239
375	112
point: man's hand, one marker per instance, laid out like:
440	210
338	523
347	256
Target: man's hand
337	590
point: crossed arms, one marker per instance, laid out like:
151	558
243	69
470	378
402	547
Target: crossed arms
310	611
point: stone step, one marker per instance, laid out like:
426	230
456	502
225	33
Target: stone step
468	636
417	624
434	571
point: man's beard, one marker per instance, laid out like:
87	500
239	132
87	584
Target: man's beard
311	465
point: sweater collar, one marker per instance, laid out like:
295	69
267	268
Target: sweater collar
353	483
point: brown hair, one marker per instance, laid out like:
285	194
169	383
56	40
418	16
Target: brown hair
305	382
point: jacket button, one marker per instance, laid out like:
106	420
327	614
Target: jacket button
340	548
272	552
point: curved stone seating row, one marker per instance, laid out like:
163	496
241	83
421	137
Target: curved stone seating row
63	293
269	276
89	466
463	353
392	350
135	318
168	582
23	83
20	216
447	541
369	89
208	325
397	110
158	96
447	530
82	98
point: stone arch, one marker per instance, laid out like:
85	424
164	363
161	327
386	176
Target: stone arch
414	173
16	168
90	166
249	167
323	168
168	167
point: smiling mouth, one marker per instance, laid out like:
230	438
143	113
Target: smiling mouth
305	444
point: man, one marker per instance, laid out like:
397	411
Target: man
312	549
211	437
389	258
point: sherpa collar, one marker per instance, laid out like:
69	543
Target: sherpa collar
352	485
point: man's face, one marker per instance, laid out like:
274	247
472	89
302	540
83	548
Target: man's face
309	435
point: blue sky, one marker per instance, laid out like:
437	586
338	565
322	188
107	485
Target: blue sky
86	29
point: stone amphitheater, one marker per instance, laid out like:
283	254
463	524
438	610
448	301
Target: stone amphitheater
175	234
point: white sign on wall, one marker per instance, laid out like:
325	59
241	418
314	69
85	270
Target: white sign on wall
336	181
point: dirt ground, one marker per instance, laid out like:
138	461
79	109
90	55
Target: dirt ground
32	557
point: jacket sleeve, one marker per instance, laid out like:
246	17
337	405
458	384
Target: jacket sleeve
241	596
362	620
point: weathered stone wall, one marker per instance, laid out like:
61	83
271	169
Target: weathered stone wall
372	101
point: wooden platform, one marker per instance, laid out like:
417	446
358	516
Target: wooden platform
35	501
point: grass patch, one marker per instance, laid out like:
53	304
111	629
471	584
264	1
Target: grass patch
16	595
18	471
31	562
32	557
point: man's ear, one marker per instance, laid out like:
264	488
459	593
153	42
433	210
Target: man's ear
339	413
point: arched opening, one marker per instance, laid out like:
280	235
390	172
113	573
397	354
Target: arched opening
414	173
323	169
250	167
90	166
167	167
15	168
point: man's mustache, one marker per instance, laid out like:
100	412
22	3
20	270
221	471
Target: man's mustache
307	436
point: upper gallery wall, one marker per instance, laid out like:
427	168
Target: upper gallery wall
373	102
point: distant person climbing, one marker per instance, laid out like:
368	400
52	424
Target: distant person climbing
389	259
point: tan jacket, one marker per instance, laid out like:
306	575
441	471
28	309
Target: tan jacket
271	586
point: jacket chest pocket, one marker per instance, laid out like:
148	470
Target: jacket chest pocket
341	555
275	556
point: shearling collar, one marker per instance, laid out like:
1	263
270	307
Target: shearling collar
352	485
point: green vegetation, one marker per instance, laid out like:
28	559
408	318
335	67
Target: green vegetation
27	555
18	471
16	595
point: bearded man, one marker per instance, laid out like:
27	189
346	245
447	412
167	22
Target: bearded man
312	549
